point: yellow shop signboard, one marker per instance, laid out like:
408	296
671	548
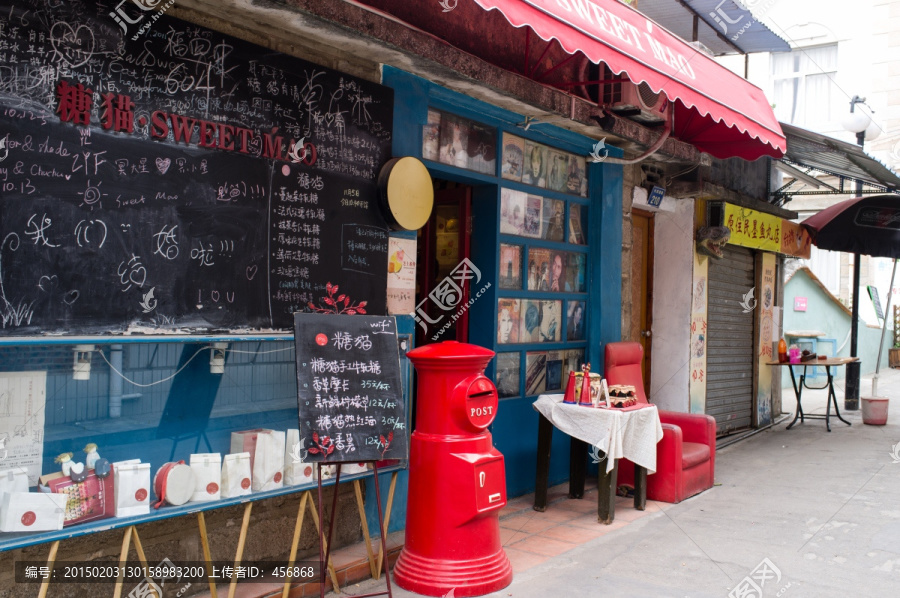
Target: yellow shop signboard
750	228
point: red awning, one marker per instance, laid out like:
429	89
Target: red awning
715	110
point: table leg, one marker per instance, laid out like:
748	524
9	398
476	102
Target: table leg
542	475
640	487
828	400
837	411
797	392
606	499
577	467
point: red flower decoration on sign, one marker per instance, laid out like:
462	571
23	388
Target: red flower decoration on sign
337	305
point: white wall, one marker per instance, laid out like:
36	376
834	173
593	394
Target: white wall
672	281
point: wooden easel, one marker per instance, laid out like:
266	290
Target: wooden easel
324	544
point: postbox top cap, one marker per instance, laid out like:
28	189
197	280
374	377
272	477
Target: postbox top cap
450	350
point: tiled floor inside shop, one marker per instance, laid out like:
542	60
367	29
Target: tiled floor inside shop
529	538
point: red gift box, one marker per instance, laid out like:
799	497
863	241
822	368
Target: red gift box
90	500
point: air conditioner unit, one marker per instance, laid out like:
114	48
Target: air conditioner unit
637	102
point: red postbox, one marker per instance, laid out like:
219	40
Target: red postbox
457	480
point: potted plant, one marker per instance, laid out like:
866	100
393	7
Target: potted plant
894	355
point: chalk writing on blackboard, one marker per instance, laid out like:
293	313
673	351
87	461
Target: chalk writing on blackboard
185	181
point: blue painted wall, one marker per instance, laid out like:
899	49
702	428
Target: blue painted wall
515	429
826	314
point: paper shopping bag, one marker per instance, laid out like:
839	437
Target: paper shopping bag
245	442
32	512
235	475
296	471
268	461
131	487
13	480
351	468
207	476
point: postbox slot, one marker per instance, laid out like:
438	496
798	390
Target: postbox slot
483	393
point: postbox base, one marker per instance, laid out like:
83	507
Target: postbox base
436	577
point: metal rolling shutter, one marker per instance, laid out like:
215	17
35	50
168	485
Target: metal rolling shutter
729	365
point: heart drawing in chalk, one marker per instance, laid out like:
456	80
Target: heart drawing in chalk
162	164
251	272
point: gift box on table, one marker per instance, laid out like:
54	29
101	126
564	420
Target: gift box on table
32	512
90	500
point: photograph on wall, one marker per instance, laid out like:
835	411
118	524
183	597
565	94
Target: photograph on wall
576	181
513	157
538	269
431	136
508	374
507	321
575	272
551	321
535	172
558	170
553	220
454	141
401	286
572	362
534	208
510	266
554	370
558	275
530	321
577	218
535	372
575	320
512	212
482	149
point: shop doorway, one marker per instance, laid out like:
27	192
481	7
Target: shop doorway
442	244
642	285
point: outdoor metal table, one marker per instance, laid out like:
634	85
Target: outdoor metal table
798	388
630	433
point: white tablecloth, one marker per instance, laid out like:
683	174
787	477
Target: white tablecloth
630	434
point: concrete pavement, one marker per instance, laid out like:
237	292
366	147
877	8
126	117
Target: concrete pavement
800	512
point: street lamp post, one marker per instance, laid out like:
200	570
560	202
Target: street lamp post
860	123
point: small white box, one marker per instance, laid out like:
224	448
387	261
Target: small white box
207	476
32	512
351	468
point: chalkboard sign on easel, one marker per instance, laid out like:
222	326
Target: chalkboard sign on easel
876	301
349	393
171	178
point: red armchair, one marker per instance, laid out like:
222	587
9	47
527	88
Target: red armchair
686	455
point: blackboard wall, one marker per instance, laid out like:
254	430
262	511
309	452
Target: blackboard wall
159	177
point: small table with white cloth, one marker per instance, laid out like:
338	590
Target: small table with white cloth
631	433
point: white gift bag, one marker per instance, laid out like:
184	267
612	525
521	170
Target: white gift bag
235	475
207	476
268	462
351	468
131	487
13	480
296	471
32	511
